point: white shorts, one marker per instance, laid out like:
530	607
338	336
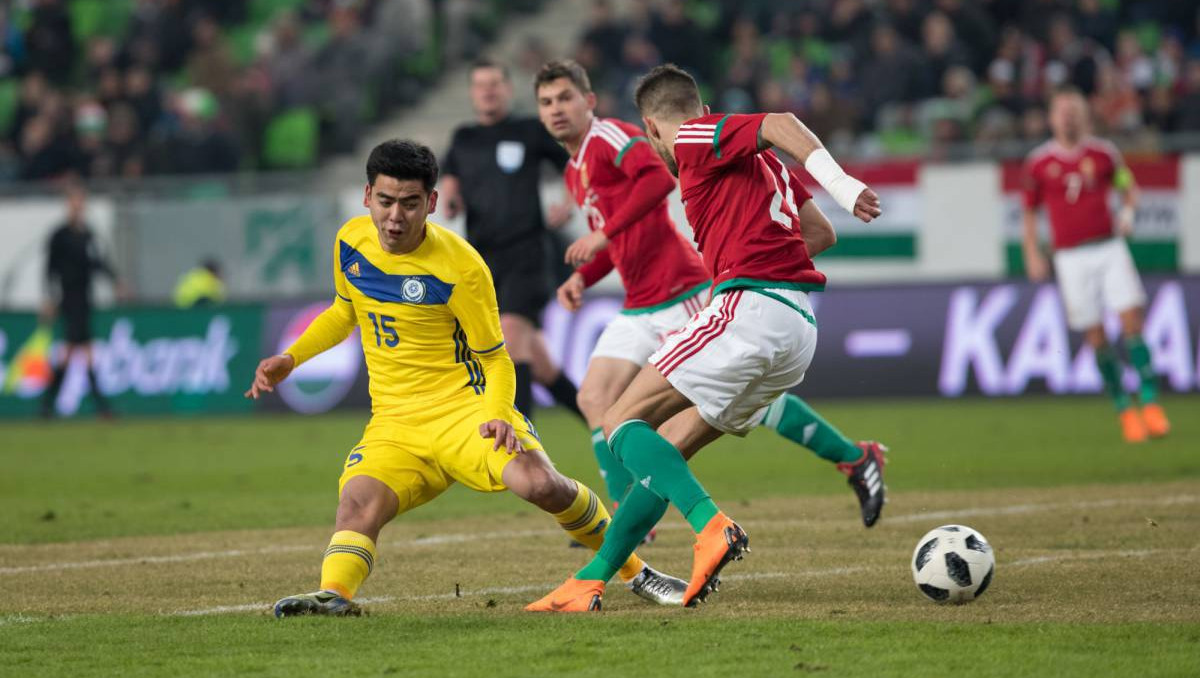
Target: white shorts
739	354
1095	277
635	336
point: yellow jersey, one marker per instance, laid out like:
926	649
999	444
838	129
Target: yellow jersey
429	320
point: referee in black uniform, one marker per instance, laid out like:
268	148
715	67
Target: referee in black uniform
493	172
72	261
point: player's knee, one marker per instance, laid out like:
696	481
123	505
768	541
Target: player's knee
593	402
544	487
1095	337
365	514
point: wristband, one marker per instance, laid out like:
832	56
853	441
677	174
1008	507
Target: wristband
842	187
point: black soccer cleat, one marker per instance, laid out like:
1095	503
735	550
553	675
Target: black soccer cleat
866	477
318	602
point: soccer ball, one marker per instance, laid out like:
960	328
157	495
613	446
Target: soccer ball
953	564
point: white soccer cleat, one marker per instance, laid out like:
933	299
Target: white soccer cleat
657	587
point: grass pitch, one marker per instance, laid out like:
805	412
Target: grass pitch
155	547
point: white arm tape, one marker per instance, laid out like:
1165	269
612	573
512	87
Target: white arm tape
842	187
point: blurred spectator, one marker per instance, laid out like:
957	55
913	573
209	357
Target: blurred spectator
49	43
604	33
209	64
1071	60
162	29
289	64
340	69
677	38
1098	21
201	286
894	73
196	145
971	26
1189	105
942	51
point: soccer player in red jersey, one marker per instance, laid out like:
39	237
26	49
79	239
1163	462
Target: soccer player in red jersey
622	185
749	345
1071	174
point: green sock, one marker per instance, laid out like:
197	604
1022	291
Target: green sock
1110	370
793	419
1139	356
617	478
658	466
639	512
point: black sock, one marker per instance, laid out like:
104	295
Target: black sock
101	402
51	394
524	396
564	392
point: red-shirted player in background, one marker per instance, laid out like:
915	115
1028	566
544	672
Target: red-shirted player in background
752	342
1072	174
621	185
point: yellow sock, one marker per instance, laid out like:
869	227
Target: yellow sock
586	520
348	560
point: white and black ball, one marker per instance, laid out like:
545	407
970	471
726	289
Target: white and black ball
953	564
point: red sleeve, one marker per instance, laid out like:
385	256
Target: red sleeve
717	140
597	268
1032	187
651	180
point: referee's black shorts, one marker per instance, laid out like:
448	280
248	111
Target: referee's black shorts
522	277
76	313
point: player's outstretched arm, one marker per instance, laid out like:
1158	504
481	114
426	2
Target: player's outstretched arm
786	132
270	372
327	330
816	229
1036	266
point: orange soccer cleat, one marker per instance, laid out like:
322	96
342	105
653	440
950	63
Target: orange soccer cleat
720	542
1155	420
575	595
1132	427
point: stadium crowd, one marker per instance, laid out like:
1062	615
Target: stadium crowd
913	77
128	88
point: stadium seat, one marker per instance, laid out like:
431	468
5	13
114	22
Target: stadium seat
291	140
241	42
10	93
90	18
262	11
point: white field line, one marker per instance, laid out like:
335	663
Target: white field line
457	538
153	560
750	576
19	619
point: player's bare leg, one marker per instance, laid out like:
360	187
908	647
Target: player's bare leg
364	507
531	476
1155	419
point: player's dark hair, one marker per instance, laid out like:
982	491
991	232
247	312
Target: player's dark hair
563	68
484	62
668	90
403	159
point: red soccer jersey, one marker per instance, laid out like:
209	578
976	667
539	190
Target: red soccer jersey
743	205
609	176
1074	186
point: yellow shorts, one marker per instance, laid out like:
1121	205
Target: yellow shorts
421	453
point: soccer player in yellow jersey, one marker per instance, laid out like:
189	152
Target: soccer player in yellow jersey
442	385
